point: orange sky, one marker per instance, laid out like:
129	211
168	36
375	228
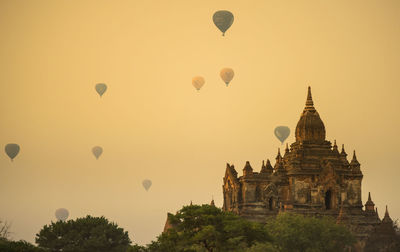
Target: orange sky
153	124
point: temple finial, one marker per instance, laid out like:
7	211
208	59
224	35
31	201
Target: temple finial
369	196
386	212
354	162
335	148
343	151
278	156
287	148
309	102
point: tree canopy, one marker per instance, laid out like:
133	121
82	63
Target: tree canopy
207	228
296	233
18	246
83	234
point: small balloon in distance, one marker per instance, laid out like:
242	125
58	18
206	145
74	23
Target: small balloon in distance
223	19
146	184
97	151
227	75
101	88
12	150
282	132
62	214
198	82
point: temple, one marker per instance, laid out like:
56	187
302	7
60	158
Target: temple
312	178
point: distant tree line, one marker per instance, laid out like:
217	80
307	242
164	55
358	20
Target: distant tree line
194	228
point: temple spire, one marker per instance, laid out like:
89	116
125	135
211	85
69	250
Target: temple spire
387	212
287	148
354	161
212	201
247	170
269	166
263	167
309	102
278	156
310	127
369	205
386	218
335	148
343	152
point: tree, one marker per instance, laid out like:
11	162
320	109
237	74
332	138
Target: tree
83	234
18	246
4	229
207	228
296	233
137	248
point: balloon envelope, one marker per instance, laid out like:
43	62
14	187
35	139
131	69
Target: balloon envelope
12	150
282	132
101	88
198	82
227	75
62	214
223	19
146	184
97	151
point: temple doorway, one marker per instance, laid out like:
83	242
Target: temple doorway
271	203
328	199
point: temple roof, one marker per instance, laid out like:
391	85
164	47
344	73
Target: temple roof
310	126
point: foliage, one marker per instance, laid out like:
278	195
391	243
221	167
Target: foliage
207	228
262	247
18	246
83	234
294	233
137	248
396	226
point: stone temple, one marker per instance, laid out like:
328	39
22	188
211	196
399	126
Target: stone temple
312	178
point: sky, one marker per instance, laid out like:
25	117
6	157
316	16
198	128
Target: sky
153	124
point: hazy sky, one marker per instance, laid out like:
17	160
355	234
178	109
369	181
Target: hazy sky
153	124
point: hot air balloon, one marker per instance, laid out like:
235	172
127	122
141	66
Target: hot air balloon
12	150
198	82
282	132
97	151
223	19
101	88
146	184
227	75
62	214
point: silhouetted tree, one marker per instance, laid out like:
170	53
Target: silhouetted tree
83	234
4	229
